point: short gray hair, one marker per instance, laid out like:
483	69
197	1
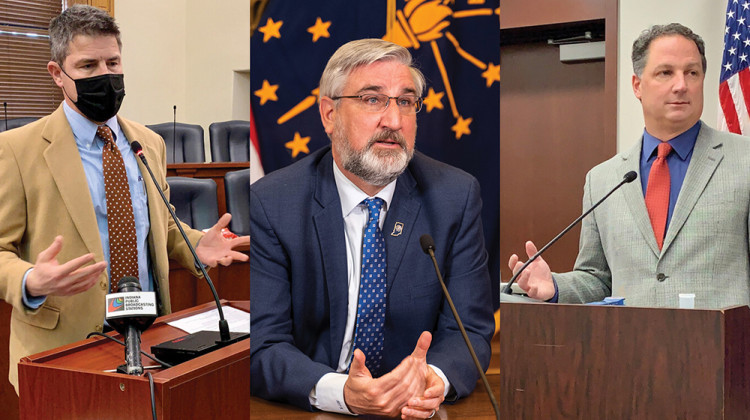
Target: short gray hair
642	43
364	52
79	20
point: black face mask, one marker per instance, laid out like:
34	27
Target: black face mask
99	97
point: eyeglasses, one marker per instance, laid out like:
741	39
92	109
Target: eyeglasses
378	102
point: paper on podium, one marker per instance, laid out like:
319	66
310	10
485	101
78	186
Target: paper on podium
239	321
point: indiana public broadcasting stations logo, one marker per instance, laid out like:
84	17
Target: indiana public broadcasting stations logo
115	304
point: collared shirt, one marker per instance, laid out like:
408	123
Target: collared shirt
328	394
90	148
678	161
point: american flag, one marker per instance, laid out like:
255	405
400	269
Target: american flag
734	83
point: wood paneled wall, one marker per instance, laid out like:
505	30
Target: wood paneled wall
557	121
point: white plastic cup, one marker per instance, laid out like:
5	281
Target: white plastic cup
687	300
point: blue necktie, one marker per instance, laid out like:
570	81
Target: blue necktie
368	333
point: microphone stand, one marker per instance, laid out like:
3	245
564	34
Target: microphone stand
428	246
225	337
629	177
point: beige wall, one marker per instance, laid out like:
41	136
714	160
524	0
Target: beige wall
704	17
193	54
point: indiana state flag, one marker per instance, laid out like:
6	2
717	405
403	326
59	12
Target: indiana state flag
456	44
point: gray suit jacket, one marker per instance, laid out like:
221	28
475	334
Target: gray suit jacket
705	250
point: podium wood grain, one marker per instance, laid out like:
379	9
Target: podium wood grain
613	362
70	383
232	283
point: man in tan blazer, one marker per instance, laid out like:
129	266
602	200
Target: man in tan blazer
704	247
54	243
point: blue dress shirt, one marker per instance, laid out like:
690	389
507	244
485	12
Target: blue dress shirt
678	161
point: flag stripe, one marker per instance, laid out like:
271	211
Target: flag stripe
727	105
740	105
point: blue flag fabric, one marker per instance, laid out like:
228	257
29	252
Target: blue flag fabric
456	44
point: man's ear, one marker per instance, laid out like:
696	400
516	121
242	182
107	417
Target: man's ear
327	109
54	70
636	86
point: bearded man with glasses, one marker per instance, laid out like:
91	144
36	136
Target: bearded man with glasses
347	314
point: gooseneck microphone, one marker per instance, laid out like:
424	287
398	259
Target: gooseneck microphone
133	335
130	311
134	366
629	177
174	133
428	246
224	335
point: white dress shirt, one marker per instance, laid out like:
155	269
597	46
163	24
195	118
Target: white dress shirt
328	394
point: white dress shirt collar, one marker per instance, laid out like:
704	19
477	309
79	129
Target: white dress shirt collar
351	196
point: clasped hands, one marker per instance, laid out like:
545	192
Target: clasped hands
412	389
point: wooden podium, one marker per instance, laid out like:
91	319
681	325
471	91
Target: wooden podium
70	382
619	362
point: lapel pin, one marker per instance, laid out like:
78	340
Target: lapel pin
398	228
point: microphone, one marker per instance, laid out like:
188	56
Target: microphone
130	311
5	109
629	177
174	133
428	246
225	337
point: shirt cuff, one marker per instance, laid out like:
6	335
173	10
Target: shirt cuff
328	394
31	302
442	376
557	292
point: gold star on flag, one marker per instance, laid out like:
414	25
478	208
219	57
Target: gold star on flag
298	145
271	29
267	92
433	100
319	30
492	74
461	127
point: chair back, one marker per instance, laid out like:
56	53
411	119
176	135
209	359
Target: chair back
15	123
184	142
237	189
194	201
230	141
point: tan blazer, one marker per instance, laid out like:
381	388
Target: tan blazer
44	193
707	245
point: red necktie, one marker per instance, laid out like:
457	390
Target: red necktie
123	251
657	193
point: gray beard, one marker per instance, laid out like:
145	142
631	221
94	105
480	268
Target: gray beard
375	167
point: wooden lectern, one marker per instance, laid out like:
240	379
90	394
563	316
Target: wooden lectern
619	362
70	382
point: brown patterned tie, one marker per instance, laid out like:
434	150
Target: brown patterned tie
123	252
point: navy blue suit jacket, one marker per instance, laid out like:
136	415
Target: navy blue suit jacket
298	275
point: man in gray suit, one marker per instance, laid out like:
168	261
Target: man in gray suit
684	227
